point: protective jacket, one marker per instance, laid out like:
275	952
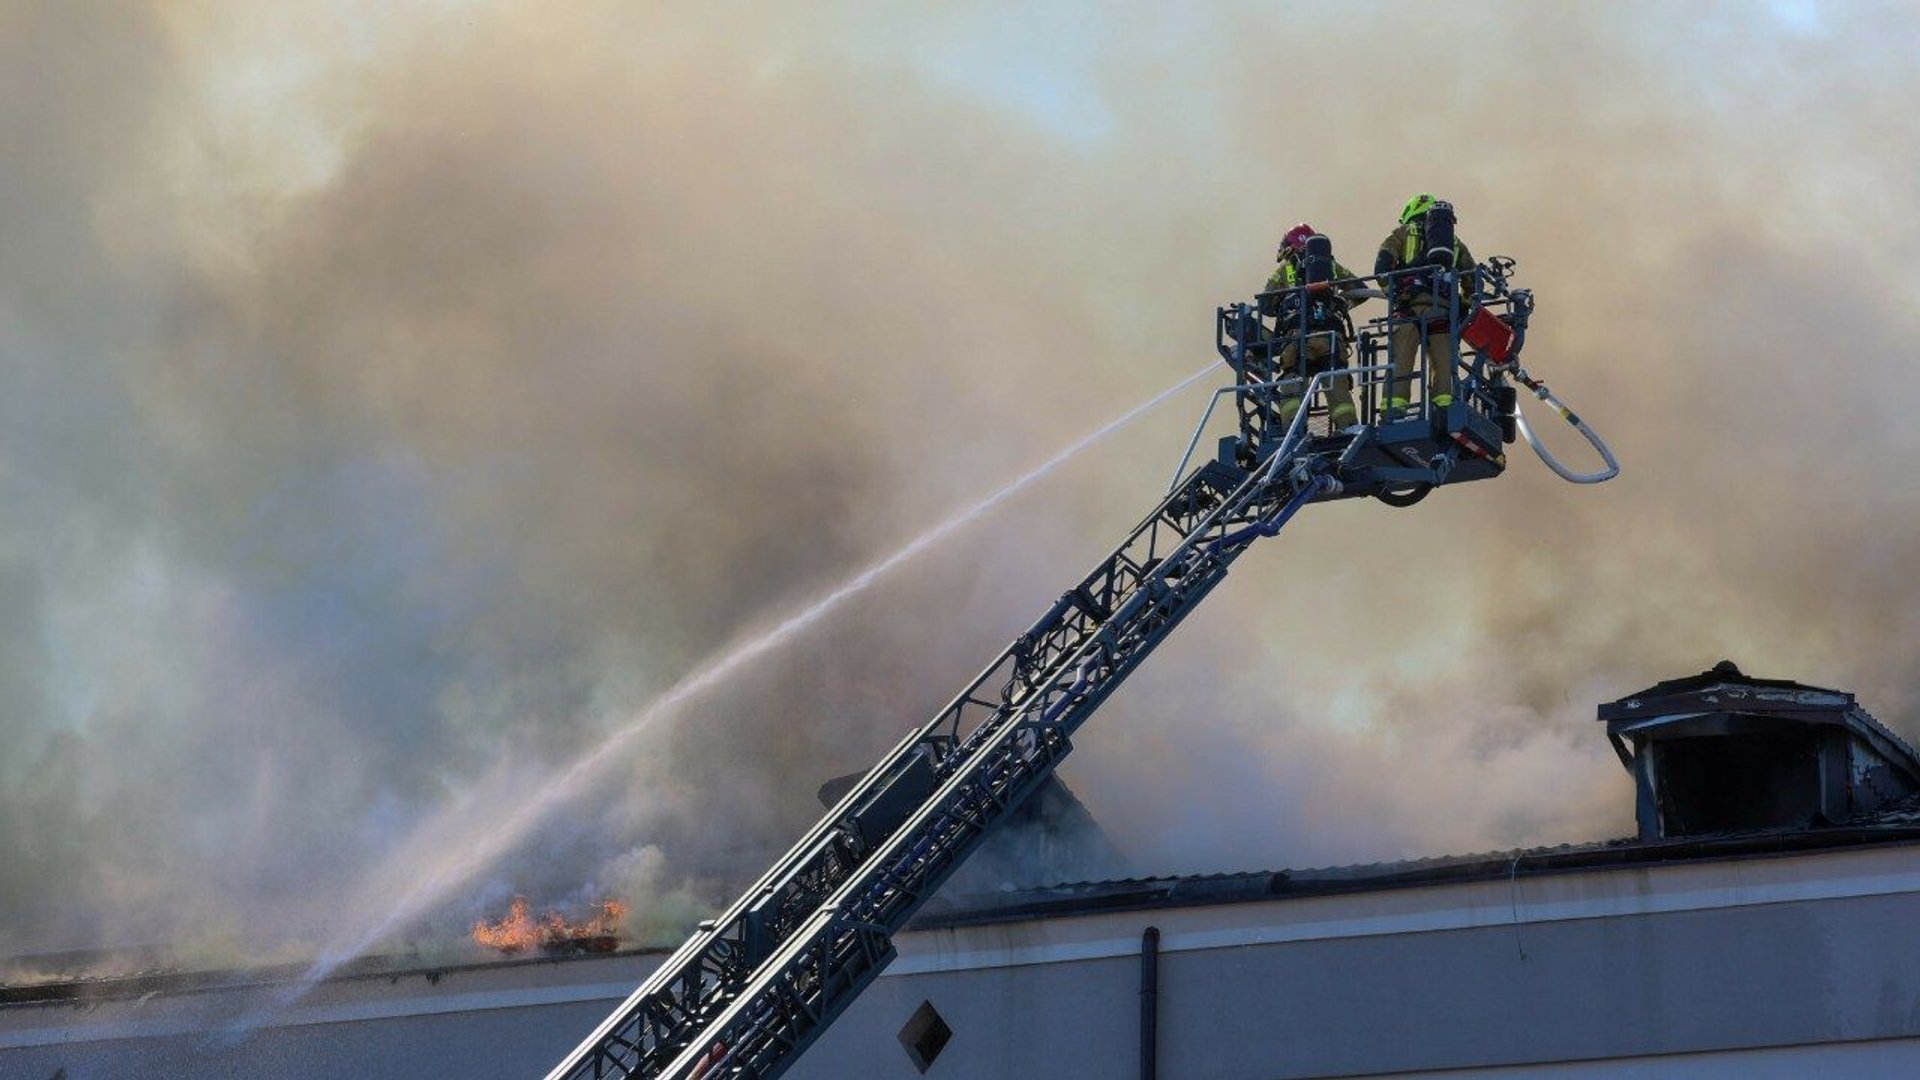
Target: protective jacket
1327	309
1402	249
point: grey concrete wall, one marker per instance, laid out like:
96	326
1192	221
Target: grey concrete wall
1604	988
523	1042
1887	1060
504	1020
1797	966
1735	968
1790	975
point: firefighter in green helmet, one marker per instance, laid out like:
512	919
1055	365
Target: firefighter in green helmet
1325	322
1424	239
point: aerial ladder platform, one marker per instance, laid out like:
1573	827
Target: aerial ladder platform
755	986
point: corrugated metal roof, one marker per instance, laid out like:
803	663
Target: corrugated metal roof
1898	824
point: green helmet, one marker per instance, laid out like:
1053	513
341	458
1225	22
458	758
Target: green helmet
1416	206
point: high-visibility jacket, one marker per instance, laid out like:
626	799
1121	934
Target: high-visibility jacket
1403	249
1327	307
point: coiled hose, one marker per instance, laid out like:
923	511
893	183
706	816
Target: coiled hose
1526	432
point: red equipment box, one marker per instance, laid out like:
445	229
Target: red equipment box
1489	334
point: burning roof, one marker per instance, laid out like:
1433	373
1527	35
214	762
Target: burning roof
520	932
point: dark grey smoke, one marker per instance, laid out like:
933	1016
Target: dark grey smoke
388	401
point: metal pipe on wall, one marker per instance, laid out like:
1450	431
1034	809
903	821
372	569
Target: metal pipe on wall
1150	1003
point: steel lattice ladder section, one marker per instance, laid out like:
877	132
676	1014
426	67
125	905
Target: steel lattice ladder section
756	986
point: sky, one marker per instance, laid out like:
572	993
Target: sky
399	398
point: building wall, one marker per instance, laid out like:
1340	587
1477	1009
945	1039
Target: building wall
513	1020
1804	951
1790	966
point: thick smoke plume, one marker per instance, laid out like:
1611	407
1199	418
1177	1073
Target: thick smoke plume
394	403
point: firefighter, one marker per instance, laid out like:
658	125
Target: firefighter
1424	239
1326	321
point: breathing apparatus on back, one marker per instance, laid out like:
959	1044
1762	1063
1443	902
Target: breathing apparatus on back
1435	235
1316	260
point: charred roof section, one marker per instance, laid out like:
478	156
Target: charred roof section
1050	837
1727	767
1722	751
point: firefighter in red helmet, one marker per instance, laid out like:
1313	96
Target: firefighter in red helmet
1299	304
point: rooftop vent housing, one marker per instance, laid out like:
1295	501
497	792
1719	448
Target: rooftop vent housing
1724	752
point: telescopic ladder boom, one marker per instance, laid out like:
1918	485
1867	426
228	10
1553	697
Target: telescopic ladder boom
754	987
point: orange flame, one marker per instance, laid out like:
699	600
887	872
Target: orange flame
519	932
513	934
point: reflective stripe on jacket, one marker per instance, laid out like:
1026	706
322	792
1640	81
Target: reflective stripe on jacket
1401	249
1290	275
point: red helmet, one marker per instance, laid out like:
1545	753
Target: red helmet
1296	237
